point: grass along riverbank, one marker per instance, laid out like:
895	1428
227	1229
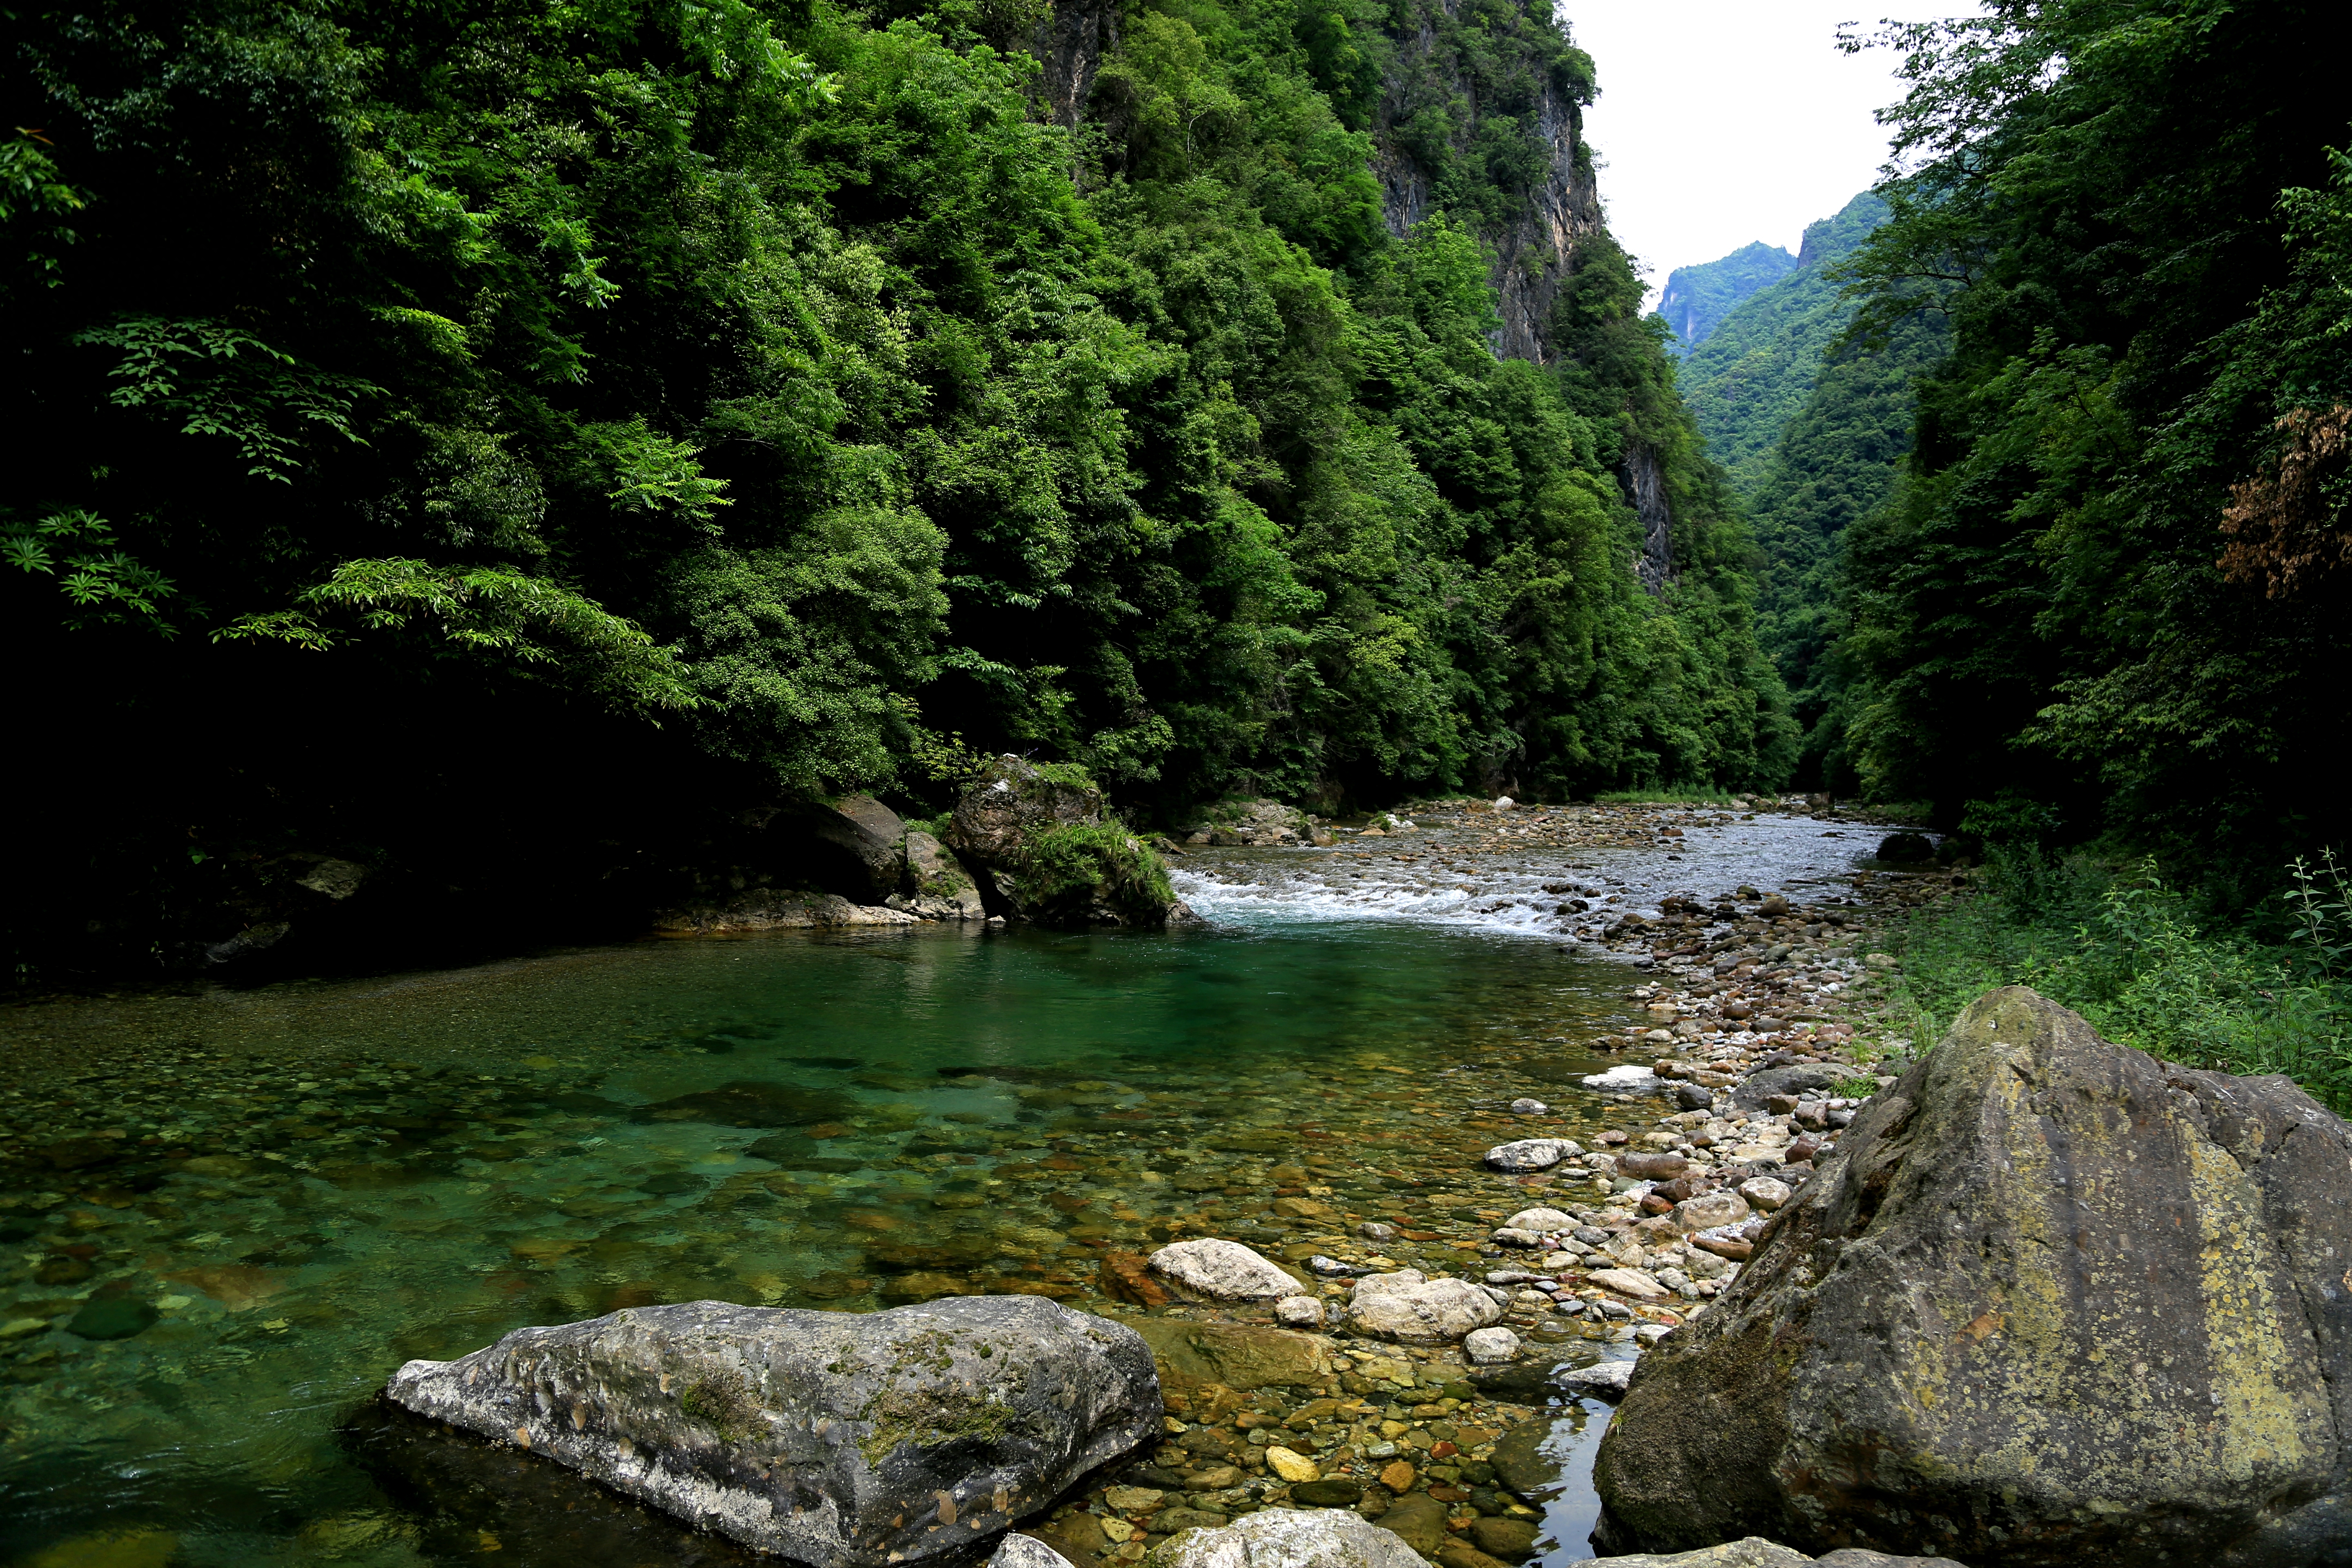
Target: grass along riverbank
2117	944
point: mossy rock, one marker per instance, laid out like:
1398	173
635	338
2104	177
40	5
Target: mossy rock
2051	1302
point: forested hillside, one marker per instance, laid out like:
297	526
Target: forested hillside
1812	429
1696	298
1747	380
523	449
2112	587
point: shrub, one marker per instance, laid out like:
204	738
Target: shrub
2125	949
1099	865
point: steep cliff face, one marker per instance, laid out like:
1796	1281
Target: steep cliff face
1480	117
1071	41
1644	480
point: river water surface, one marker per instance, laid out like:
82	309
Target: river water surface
227	1215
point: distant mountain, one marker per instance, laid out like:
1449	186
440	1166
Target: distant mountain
1812	441
1699	297
1753	372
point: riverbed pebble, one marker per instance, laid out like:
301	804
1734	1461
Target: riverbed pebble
1225	1270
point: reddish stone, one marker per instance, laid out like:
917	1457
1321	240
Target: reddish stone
1123	1278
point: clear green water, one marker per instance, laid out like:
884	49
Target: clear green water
286	1193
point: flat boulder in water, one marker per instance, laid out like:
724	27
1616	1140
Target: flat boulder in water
1753	1552
1222	1270
752	1102
851	1440
1412	1309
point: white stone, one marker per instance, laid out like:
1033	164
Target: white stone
1018	1550
1299	1312
1765	1192
1540	1219
1289	1538
1414	1310
1603	1379
1509	1237
1630	1079
1530	1154
1490	1347
1525	1106
1631	1282
1225	1269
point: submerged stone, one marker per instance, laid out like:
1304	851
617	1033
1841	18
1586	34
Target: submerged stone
113	1318
747	1102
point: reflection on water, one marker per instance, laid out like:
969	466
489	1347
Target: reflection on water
1570	1511
223	1219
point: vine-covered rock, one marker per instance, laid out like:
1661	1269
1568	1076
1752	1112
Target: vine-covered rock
1038	841
843	1439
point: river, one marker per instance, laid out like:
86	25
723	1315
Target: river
227	1215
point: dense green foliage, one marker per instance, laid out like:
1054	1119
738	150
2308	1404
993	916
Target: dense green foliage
1839	459
2117	945
1102	865
2112	581
1696	298
463	423
1754	373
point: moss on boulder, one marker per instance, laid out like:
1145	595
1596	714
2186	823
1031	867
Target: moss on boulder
2051	1302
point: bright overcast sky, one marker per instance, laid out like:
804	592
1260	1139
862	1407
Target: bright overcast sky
1722	121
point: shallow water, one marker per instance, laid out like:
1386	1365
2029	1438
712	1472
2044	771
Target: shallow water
225	1216
305	1186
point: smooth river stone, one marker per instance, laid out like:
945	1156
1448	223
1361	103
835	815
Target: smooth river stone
1225	1271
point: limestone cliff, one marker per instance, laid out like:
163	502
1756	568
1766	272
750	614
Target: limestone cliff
1536	101
1071	41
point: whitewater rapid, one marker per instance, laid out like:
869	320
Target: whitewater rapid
1507	891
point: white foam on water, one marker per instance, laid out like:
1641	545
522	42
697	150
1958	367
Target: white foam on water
1273	895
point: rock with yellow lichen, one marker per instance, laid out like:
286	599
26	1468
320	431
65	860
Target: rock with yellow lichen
2052	1301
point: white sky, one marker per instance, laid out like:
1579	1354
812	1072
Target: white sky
1722	121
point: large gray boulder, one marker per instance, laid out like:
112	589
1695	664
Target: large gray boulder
1287	1538
842	1439
871	841
1038	838
2052	1301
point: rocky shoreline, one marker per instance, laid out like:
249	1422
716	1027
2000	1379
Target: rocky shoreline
1418	1399
1288	1408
